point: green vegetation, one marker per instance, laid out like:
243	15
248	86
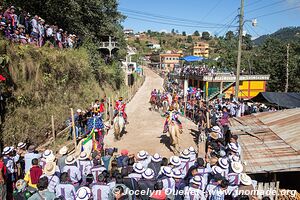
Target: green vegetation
42	82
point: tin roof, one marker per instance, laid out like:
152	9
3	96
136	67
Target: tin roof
270	141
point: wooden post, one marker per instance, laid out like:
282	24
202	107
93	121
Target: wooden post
53	130
73	127
207	120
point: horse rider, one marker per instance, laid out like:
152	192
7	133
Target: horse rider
171	116
164	97
120	107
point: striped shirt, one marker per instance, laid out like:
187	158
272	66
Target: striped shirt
65	190
73	172
100	191
53	181
96	171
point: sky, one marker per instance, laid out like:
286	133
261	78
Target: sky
214	16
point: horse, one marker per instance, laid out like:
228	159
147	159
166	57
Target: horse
165	105
153	102
174	132
119	125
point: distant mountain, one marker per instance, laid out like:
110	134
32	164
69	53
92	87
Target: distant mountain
285	34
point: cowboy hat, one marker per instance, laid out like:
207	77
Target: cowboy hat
237	167
245	179
233	147
21	145
63	150
175	160
216	170
50	168
83	193
31	148
223	162
7	150
20	185
47	153
235	158
214	135
156	158
196	180
138	168
142	155
70	160
148	174
216	129
83	156
185	153
166	171
177	174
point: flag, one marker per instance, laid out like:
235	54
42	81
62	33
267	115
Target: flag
2	78
89	137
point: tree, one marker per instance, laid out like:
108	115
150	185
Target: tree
229	35
196	33
173	31
247	42
183	33
205	35
189	39
89	18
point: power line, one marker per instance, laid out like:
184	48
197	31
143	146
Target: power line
174	24
166	17
279	11
228	25
268	5
212	9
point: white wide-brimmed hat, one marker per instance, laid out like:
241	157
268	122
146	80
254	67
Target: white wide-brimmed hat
148	174
192	149
166	171
83	193
196	180
156	158
216	170
237	167
78	110
138	168
47	153
185	153
223	162
235	158
63	150
175	160
50	158
176	173
233	147
70	160
245	179
216	129
142	155
7	150
21	145
83	156
50	168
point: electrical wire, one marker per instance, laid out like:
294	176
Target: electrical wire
212	9
268	5
250	4
276	12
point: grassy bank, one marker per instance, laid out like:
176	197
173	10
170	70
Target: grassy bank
42	82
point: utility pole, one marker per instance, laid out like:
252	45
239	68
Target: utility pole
287	68
238	66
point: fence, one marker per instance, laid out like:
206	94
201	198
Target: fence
127	95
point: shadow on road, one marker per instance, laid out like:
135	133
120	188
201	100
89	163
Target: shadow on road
195	135
164	139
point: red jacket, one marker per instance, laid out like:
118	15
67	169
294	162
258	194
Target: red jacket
120	106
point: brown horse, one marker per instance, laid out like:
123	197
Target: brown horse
174	132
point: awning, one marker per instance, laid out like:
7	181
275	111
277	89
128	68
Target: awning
192	58
286	100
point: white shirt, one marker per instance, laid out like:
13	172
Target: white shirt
136	176
100	191
193	193
168	183
9	163
85	167
73	172
145	162
96	171
53	181
34	25
66	190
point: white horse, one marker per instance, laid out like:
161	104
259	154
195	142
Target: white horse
119	125
165	105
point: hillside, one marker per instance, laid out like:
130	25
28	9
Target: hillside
41	82
285	34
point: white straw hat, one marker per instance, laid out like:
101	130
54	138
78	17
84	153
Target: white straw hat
175	160
47	153
83	193
138	168
142	155
63	150
70	160
148	174
50	168
245	179
156	158
237	167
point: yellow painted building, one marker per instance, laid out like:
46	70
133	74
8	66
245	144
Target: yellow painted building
248	89
201	49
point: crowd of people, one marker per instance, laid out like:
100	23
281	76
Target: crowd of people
20	27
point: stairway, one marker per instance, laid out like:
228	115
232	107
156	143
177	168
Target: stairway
215	94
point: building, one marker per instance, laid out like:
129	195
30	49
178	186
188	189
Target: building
169	60
153	46
201	49
223	84
270	145
128	32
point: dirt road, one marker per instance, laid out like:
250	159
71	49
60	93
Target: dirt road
144	131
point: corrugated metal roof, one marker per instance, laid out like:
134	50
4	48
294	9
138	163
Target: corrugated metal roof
270	141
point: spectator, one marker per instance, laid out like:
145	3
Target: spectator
43	192
33	175
29	156
2	178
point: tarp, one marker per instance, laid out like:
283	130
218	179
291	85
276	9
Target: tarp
286	100
192	58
